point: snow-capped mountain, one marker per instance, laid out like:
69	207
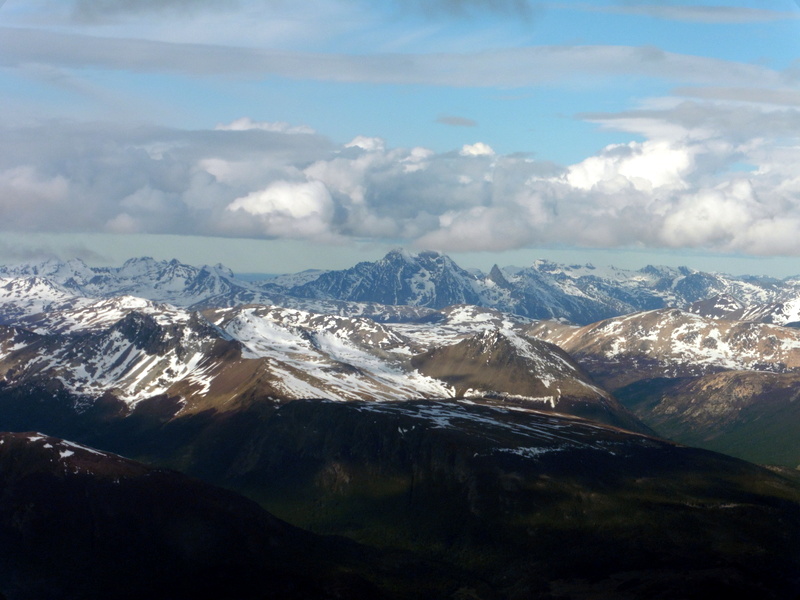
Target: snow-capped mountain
786	312
729	386
27	290
160	281
141	355
134	349
425	429
673	343
579	294
30	295
400	286
425	279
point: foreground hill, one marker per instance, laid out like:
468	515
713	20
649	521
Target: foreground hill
79	523
476	500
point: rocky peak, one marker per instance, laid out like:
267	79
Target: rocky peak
496	275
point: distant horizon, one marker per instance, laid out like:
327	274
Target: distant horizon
277	257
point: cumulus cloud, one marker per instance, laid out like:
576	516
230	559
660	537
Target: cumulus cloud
293	200
289	209
476	149
366	143
710	175
643	166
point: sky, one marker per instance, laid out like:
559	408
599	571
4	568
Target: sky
277	135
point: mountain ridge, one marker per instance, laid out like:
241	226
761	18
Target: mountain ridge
580	294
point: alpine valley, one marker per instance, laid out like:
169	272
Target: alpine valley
402	429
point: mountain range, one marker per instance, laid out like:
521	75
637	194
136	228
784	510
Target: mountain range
579	294
497	435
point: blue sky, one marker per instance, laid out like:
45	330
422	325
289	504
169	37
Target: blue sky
275	136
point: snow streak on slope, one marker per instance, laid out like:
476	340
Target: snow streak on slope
22	296
137	357
100	314
135	349
674	338
454	323
70	457
530	435
328	356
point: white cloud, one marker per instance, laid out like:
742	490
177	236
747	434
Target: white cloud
644	166
289	209
417	159
26	181
294	200
246	124
712	217
370	144
476	149
123	223
723	180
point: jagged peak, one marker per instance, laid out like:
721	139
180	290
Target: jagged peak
496	275
138	260
544	264
495	338
665	271
398	254
414	258
218	269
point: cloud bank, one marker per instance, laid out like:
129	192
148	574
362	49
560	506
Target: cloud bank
705	176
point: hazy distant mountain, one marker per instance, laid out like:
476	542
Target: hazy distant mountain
428	280
53	285
578	293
